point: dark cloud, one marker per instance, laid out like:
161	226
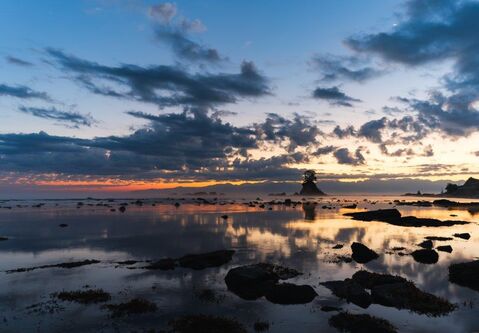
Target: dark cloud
334	96
344	156
187	49
336	68
324	150
371	130
23	92
17	61
344	133
70	119
164	85
300	131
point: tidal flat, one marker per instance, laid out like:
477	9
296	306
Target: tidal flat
159	265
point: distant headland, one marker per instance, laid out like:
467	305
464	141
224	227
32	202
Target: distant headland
470	189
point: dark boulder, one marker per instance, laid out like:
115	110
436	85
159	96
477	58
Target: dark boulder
465	274
463	235
427	244
362	254
253	281
444	248
384	215
206	260
350	290
288	293
425	256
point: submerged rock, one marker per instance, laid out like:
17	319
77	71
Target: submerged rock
288	293
425	256
444	248
162	264
89	296
393	216
206	324
362	254
253	281
134	306
368	279
205	260
360	323
68	265
465	274
351	291
405	295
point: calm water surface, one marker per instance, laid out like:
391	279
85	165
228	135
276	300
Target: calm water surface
291	236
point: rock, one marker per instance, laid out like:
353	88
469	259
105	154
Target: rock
368	279
252	281
63	225
405	295
425	256
205	324
90	296
177	204
122	209
360	323
3	238
444	248
464	235
338	246
465	274
288	293
66	265
352	206
350	290
427	244
134	306
162	264
362	254
384	215
224	217
206	260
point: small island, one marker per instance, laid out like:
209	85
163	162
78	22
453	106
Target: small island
309	185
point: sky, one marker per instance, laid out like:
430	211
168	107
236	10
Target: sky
121	95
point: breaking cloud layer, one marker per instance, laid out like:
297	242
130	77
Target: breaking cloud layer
23	92
67	118
342	68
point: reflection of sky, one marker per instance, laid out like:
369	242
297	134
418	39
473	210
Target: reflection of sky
281	236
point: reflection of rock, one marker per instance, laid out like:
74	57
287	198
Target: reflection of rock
309	211
288	293
465	274
464	235
362	254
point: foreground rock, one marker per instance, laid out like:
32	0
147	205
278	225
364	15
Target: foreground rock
425	256
254	281
206	324
388	290
445	248
351	291
360	323
362	254
463	235
393	216
465	274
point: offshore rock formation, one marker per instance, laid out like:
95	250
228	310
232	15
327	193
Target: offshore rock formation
309	185
469	189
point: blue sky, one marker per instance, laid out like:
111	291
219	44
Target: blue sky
355	89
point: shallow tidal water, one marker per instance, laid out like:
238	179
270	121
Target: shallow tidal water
287	235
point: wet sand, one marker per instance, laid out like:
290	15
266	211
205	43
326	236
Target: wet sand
301	237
